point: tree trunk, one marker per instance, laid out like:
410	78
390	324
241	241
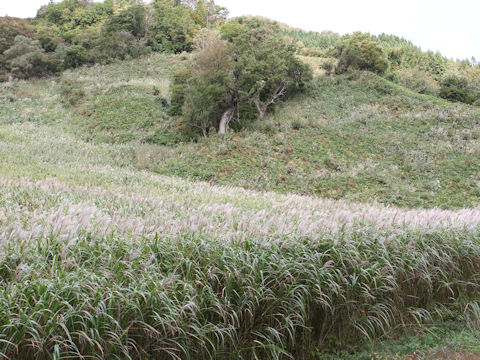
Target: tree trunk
261	110
226	117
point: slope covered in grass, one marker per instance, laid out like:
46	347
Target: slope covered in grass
359	138
100	259
356	137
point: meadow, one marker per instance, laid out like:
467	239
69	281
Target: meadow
112	246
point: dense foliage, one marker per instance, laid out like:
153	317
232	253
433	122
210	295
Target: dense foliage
194	298
242	69
360	51
26	58
72	33
398	59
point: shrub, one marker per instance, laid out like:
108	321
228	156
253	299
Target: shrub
120	45
75	56
26	58
328	65
455	88
360	51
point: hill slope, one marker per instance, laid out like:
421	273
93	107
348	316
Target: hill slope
101	259
357	137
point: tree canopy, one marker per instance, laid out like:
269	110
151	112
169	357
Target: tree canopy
77	32
243	68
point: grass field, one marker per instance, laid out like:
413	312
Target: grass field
105	254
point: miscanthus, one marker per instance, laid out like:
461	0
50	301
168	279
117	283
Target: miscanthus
32	210
182	270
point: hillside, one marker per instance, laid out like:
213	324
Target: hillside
176	184
99	257
356	137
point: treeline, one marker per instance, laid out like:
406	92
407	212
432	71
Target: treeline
395	58
72	33
311	43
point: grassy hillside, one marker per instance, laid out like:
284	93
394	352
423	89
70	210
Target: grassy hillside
99	256
357	137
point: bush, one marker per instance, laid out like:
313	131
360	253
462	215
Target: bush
328	65
26	58
120	45
455	88
360	52
75	56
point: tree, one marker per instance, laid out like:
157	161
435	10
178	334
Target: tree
250	65
264	67
173	28
132	20
201	89
360	51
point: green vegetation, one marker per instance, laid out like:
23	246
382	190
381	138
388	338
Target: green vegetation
451	340
343	225
241	70
401	62
26	57
456	89
99	259
360	52
356	136
72	33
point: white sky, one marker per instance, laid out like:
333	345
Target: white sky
451	27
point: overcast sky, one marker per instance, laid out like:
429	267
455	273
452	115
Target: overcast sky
451	27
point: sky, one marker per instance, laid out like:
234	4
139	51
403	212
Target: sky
451	27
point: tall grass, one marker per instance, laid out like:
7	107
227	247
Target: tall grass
101	261
192	297
38	209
